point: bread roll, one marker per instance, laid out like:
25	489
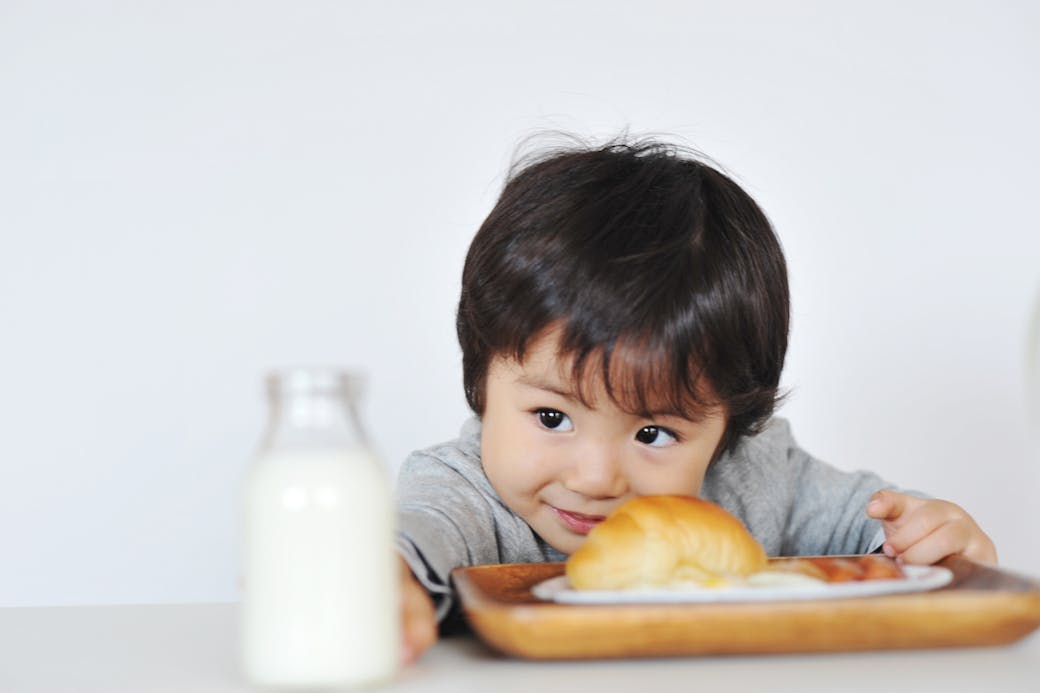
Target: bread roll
665	541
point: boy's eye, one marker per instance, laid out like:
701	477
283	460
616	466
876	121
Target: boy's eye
554	420
655	436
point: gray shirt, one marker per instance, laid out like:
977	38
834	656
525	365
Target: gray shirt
449	516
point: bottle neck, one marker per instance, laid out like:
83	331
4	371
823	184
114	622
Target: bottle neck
309	409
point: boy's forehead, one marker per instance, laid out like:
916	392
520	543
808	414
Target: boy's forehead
544	361
638	380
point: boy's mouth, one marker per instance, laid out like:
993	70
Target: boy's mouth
579	523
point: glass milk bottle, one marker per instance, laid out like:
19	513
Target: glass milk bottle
320	601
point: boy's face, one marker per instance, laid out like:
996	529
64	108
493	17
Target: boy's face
564	466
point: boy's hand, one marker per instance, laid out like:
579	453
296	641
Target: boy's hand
924	532
418	618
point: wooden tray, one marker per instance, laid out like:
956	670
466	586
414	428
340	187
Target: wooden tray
981	606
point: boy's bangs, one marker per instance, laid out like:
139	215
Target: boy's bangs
644	378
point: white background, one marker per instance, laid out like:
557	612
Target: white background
191	193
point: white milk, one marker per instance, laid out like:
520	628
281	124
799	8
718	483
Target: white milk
320	602
320	583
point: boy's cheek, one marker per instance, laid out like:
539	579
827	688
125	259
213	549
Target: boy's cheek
513	484
683	475
506	473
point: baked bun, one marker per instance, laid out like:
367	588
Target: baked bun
665	541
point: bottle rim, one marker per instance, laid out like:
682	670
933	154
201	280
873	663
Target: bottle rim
313	379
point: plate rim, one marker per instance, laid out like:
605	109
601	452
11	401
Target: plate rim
918	579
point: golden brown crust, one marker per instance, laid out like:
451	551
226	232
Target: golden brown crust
661	541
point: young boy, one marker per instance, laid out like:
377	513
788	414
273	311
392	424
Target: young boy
623	323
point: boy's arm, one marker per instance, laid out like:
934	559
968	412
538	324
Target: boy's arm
827	514
835	512
445	520
443	523
794	504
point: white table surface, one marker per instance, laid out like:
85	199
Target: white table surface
193	648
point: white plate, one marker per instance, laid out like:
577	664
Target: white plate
918	579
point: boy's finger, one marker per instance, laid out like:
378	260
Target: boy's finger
890	505
918	525
937	531
932	548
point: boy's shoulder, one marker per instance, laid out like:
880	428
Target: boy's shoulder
759	463
458	456
465	447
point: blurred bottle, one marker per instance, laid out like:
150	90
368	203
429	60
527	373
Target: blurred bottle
320	601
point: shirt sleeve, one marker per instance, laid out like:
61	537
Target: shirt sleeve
443	523
793	503
828	510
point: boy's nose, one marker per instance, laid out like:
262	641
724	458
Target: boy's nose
596	473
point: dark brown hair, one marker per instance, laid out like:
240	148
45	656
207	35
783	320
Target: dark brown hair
632	248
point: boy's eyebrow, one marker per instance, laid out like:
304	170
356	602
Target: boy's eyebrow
548	386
